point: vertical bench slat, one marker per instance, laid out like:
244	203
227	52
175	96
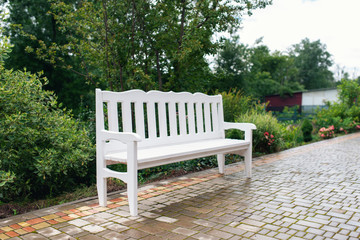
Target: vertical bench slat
207	117
162	119
151	119
139	118
172	119
215	120
191	118
182	118
199	117
126	116
113	119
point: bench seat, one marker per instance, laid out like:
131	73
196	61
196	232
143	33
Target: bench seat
150	157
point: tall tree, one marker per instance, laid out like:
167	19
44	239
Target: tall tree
255	70
30	26
142	43
313	61
272	73
232	65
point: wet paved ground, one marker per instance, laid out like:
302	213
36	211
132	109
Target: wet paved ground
310	192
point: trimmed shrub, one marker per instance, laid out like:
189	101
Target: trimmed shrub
270	135
344	119
235	103
307	129
343	116
43	150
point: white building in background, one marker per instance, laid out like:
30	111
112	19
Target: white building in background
313	99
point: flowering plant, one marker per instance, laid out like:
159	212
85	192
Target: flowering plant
327	132
344	130
349	127
357	125
269	138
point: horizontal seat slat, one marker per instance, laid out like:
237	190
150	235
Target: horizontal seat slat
180	150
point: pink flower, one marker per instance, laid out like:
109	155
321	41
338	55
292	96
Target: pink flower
272	136
322	135
358	126
341	129
331	127
266	134
322	129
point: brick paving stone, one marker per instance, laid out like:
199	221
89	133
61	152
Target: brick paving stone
48	232
340	236
202	236
62	236
117	227
90	237
184	231
79	222
204	223
33	236
309	224
166	219
295	238
262	237
135	233
220	234
71	230
328	234
315	231
93	228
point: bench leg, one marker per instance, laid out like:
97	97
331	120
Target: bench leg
248	162
102	190
132	179
132	196
221	162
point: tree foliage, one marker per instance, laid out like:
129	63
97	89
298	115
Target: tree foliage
349	92
313	62
141	43
255	70
43	150
31	28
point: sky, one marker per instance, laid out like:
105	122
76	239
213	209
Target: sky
336	23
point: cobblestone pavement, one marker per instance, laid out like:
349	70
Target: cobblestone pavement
310	192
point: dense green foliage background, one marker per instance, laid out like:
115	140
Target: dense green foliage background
164	45
43	150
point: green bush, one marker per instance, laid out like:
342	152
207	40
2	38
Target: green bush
234	104
345	115
340	116
270	135
307	129
349	92
43	150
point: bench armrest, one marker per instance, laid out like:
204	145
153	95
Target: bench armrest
124	137
246	127
240	126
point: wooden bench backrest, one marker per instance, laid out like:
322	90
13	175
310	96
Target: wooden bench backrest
159	117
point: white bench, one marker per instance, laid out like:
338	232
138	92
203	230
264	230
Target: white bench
147	129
